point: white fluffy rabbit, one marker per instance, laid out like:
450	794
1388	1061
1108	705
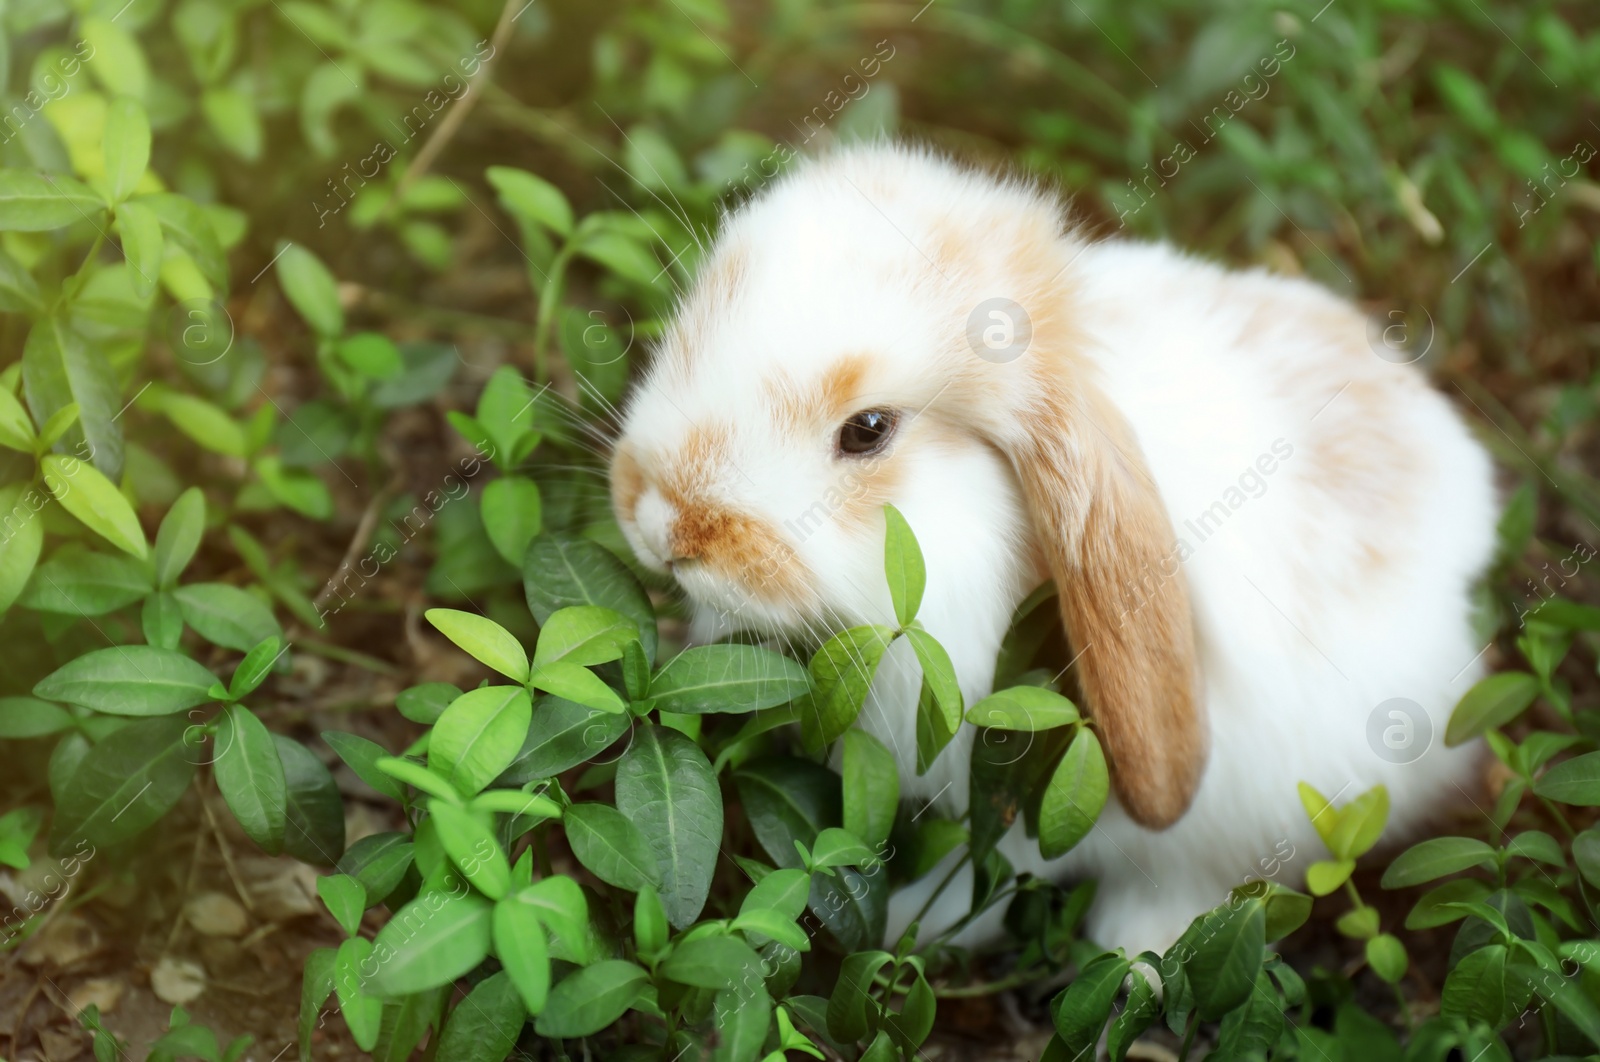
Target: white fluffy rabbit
1263	533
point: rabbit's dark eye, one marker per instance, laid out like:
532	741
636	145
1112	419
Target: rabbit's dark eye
867	432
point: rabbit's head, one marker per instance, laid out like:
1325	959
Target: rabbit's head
880	323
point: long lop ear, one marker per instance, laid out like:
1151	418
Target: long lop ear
1103	528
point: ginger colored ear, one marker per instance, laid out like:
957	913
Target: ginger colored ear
1104	530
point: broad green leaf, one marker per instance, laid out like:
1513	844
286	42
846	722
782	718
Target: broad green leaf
727	678
788	800
1028	708
1137	1015
1081	1011
559	571
310	289
1575	781
226	615
472	847
179	536
742	1017
254	668
713	962
16	429
1387	957
315	829
371	354
842	671
848	1007
362	756
519	943
484	639
300	490
484	1026
608	843
362	1012
21	541
871	787
426	703
118	63
26	717
250	776
1476	988
506	411
784	891
590	998
903	565
584	635
1434	858
533	198
666	788
512	515
562	735
124	784
33	202
933	730
379	861
575	683
564	912
419	777
838	847
1322	814
231	114
129	680
939	675
1361	822
1437	906
316	985
189	229
61	368
1229	942
126	146
345	899
1327	875
86	493
207	424
431	941
1251	1030
1075	796
1493	702
478	736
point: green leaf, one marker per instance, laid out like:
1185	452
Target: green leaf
416	775
86	493
519	943
584	635
727	678
1493	702
742	1017
22	542
126	146
512	515
32	202
713	962
1075	796
939	678
608	843
784	891
472	847
207	424
315	829
838	847
1538	846
78	582
1434	908
19	292
226	615
1387	957
558	572
484	1027
532	198
1476	988
60	368
16	429
1228	957
129	680
362	1012
1081	1011
1321	813
903	565
298	489
431	941
1575	781
1361	822
484	639
478	736
842	671
124	784
1251	1030
379	862
851	1010
1359	923
788	800
179	536
666	788
620	253
426	703
506	411
363	756
565	913
563	734
1026	708
189	228
371	354
591	998
254	668
1327	875
25	717
251	778
576	683
311	289
119	64
1137	1016
316	985
345	899
871	787
232	117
